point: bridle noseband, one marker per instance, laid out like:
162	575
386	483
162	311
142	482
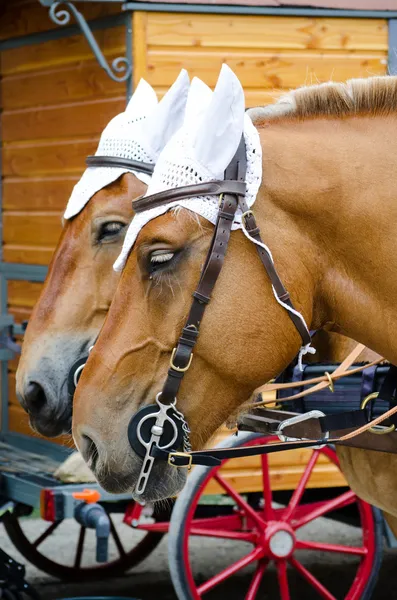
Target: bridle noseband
231	192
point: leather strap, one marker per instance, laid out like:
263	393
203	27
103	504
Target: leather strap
182	355
119	161
210	188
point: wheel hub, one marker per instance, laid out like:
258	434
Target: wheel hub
279	540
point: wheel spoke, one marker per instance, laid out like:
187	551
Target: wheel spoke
256	580
324	507
46	533
229	571
281	566
267	489
116	538
80	548
240	536
323	547
239	500
300	488
314	582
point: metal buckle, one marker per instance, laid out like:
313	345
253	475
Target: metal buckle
184	454
245	215
312	414
180	369
377	429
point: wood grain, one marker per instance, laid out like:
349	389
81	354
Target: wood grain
263	70
41	228
140	41
23	294
38	193
265	32
86	117
61	52
77	81
33	255
54	158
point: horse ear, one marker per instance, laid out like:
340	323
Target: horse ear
168	115
198	100
222	125
143	100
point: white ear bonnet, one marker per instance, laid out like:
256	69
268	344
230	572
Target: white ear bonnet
200	151
139	133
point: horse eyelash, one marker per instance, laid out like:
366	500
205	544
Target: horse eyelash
161	258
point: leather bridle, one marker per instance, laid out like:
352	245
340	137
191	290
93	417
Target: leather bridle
231	192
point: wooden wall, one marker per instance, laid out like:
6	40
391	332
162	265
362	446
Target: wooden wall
55	99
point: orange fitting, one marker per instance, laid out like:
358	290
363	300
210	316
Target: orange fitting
87	495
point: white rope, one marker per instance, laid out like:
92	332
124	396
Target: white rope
307	348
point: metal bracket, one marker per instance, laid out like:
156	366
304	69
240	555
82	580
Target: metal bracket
120	68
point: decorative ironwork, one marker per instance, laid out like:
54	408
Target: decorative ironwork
120	68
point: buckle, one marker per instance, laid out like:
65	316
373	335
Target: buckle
180	369
377	429
312	414
171	460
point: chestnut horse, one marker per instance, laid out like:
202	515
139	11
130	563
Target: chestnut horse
326	208
80	283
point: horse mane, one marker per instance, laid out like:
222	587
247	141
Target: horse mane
374	95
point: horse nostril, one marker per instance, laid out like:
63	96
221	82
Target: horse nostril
89	450
34	398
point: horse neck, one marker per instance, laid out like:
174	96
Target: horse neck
327	190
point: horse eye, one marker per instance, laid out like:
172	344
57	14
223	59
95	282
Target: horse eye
159	259
110	230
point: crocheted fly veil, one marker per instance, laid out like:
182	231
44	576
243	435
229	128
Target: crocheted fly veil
139	133
199	152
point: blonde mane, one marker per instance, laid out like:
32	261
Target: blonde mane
374	95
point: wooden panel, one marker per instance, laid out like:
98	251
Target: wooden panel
284	478
61	52
267	32
58	85
37	194
140	37
47	158
38	228
22	18
34	255
64	120
263	70
23	294
19	422
19	313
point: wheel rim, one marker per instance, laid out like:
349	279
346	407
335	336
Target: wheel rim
126	550
275	535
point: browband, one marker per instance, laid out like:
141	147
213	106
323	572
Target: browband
119	161
210	188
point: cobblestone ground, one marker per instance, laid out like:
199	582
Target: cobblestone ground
150	580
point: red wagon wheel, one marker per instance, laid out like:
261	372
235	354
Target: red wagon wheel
274	540
127	547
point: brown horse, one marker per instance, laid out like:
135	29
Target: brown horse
81	283
327	210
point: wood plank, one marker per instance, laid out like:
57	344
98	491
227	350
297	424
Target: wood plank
23	294
263	70
33	255
42	229
77	81
60	121
57	158
37	194
63	51
18	421
22	18
140	40
265	32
